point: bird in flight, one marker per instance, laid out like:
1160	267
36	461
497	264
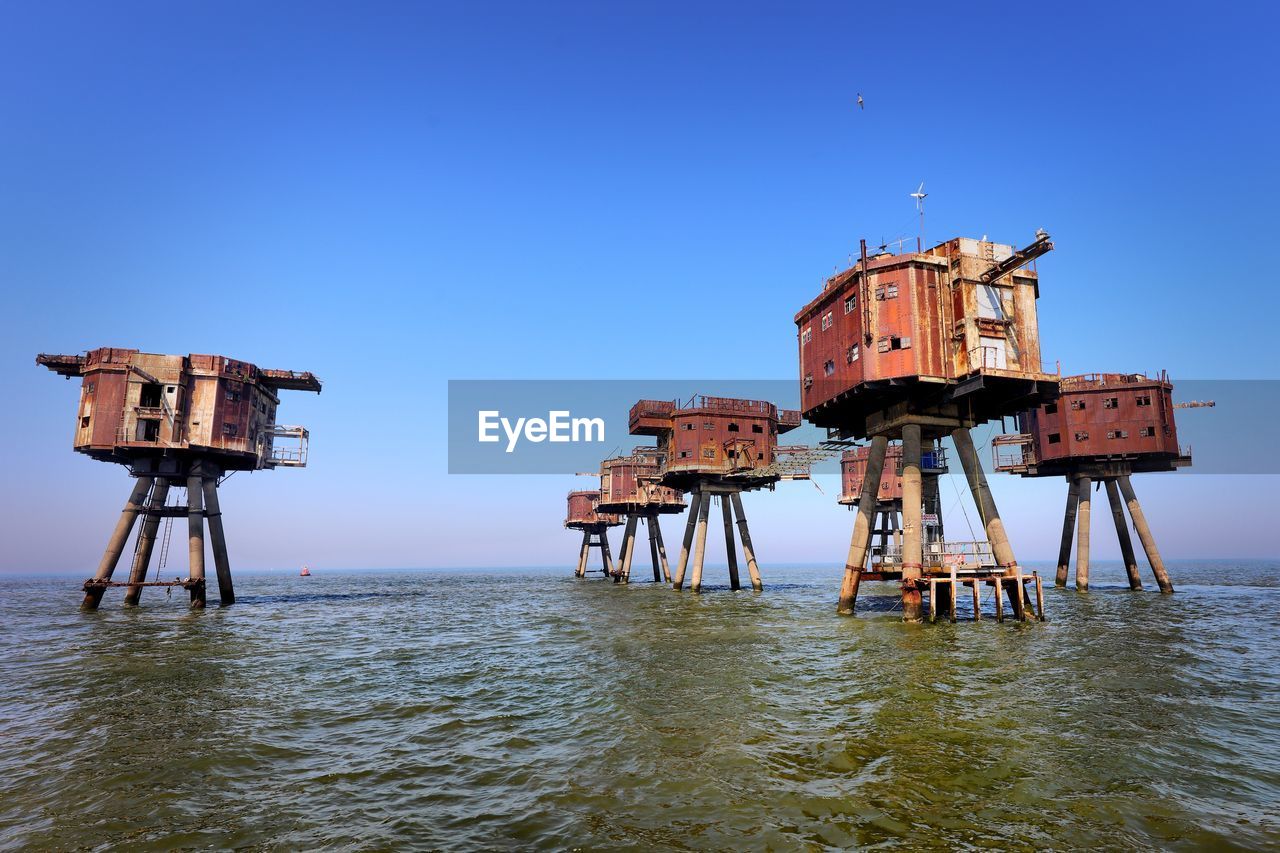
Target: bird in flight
861	105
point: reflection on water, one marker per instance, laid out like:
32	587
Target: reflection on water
466	710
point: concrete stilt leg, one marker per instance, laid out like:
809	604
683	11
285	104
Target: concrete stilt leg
651	522
996	534
856	561
628	550
662	550
221	562
1068	534
1144	535
583	553
1122	533
730	548
1082	533
195	539
748	550
115	545
606	558
700	546
690	526
912	531
146	541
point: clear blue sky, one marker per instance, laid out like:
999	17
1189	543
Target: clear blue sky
393	195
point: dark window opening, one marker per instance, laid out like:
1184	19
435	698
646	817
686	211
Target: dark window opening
230	429
1144	400
233	396
829	367
1118	433
1147	432
760	455
733	427
850	303
84	422
148	429
170	389
757	428
1077	405
684	454
1110	402
1051	409
1055	438
1082	436
688	426
150	396
709	452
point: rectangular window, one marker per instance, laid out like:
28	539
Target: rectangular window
882	345
733	427
233	396
708	425
90	387
1144	400
1077	405
147	430
1110	402
757	428
990	306
808	380
829	368
230	429
84	422
684	454
149	398
1055	438
709	453
686	425
826	321
1147	432
1082	436
1051	409
850	303
1117	433
806	335
888	291
851	355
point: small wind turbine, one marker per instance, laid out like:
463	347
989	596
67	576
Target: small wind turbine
920	195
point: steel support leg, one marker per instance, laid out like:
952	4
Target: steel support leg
146	541
221	562
1082	533
730	547
748	550
856	561
690	526
1068	533
115	545
195	539
1144	535
912	532
1122	533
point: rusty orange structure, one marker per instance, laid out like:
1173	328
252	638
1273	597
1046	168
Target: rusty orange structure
1099	429
631	486
178	421
915	347
717	447
584	514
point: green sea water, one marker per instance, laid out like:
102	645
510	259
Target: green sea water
526	709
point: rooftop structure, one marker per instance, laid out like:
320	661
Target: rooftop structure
175	421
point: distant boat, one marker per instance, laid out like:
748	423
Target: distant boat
305	573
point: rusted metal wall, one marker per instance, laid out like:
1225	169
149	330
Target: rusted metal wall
853	468
630	484
713	435
1104	415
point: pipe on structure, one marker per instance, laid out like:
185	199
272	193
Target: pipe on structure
690	525
195	539
146	540
1082	534
748	550
1068	534
221	563
1144	535
1122	533
700	547
858	545
912	543
115	545
729	546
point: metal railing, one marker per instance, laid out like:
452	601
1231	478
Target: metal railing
976	554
